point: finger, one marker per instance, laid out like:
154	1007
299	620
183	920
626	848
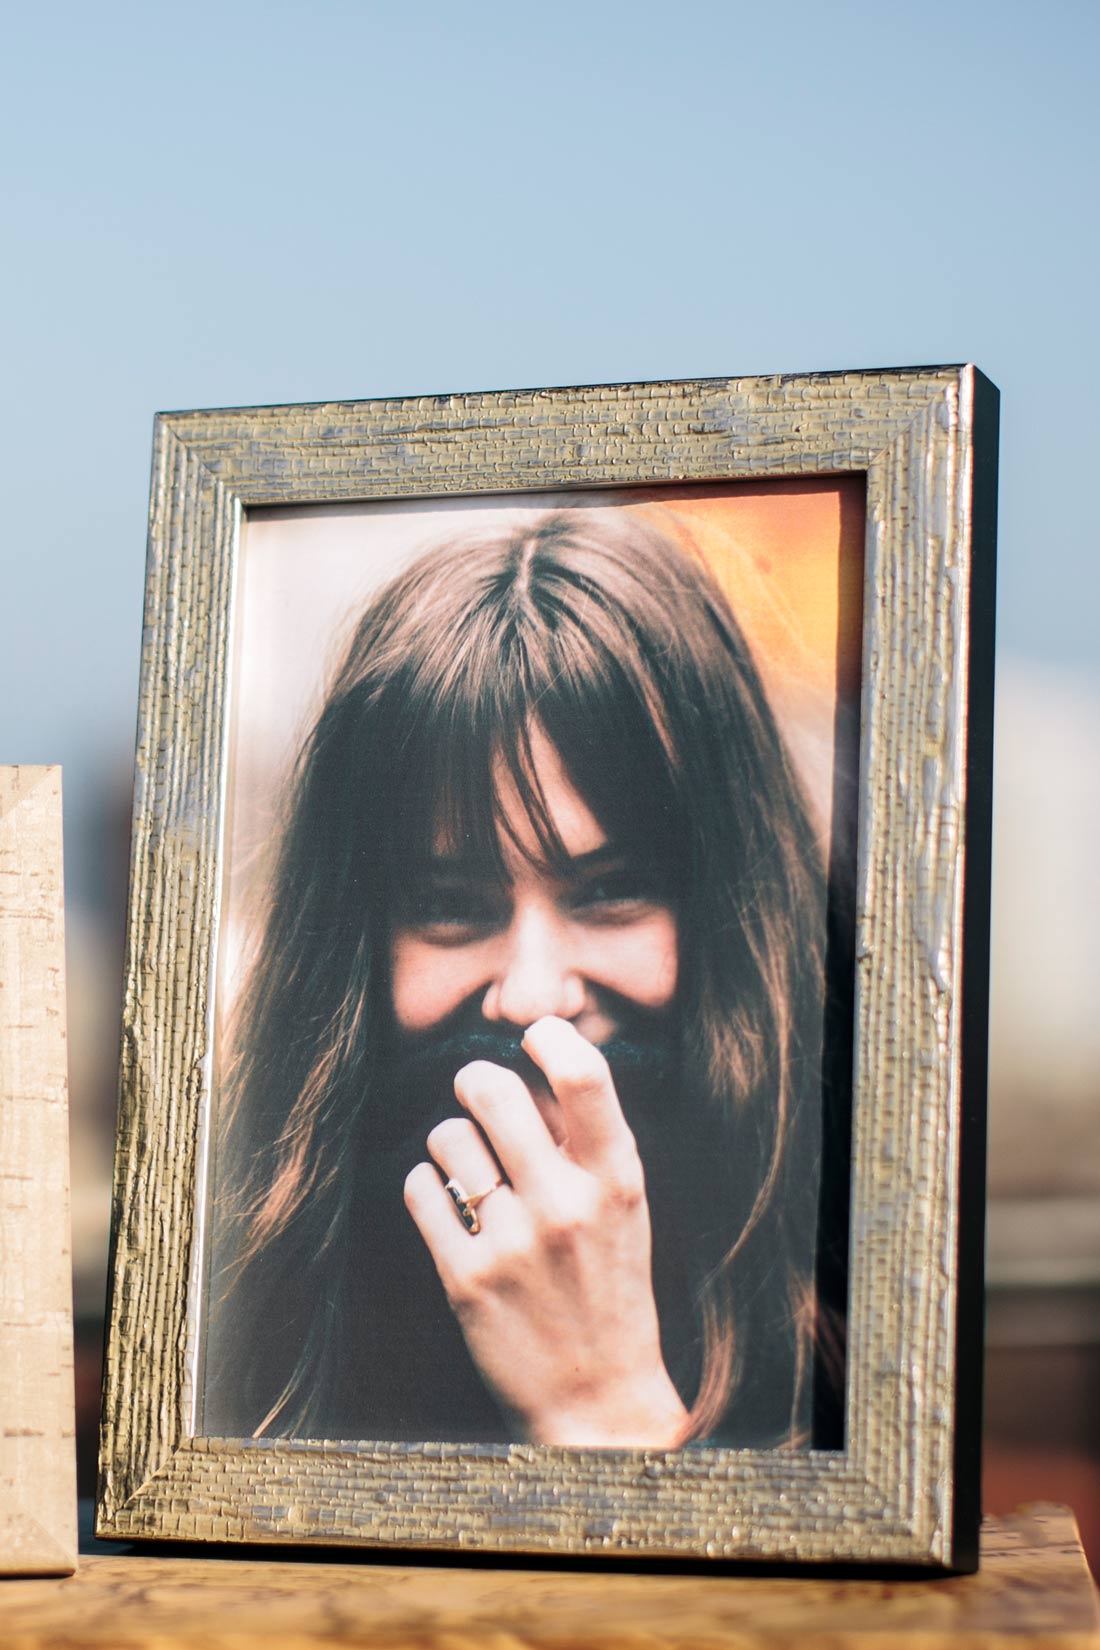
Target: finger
584	1088
435	1217
501	1103
460	1150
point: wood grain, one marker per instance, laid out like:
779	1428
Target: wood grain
37	1448
1032	1590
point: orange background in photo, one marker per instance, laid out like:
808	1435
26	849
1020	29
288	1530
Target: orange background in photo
789	556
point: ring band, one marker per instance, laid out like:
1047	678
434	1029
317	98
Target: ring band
467	1205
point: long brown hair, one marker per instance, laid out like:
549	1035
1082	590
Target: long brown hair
622	649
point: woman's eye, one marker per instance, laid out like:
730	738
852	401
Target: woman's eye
461	910
621	894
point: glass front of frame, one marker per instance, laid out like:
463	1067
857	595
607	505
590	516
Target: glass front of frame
533	1005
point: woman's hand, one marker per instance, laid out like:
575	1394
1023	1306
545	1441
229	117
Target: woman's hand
554	1292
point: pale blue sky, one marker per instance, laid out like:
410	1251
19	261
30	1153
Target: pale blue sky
212	204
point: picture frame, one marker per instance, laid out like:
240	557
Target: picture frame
38	1533
902	1488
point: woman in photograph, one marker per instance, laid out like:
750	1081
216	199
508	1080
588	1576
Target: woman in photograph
534	1111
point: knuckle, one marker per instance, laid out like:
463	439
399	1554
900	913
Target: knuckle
624	1182
515	1253
474	1276
560	1232
478	1279
464	1293
473	1077
585	1073
481	1086
414	1183
562	1223
451	1132
511	1261
489	1272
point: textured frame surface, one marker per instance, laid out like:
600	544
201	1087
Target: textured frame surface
904	1490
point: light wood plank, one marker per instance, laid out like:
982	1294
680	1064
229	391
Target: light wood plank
1032	1589
37	1450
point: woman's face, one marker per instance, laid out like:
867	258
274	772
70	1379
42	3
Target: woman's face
588	941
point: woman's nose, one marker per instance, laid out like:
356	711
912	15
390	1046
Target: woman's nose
536	973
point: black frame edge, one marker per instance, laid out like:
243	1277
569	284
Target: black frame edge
974	1030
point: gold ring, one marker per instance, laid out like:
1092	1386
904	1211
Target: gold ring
467	1205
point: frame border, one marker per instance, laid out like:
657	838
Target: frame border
904	1490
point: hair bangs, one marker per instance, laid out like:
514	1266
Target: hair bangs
467	782
591	700
465	746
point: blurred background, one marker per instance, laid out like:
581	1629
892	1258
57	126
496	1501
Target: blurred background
249	202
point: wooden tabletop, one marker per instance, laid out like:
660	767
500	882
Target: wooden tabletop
1033	1589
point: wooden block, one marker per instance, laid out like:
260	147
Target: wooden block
1032	1590
37	1447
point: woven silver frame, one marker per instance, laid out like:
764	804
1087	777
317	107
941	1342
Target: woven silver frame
904	1489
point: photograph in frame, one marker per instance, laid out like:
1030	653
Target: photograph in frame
622	753
694	925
